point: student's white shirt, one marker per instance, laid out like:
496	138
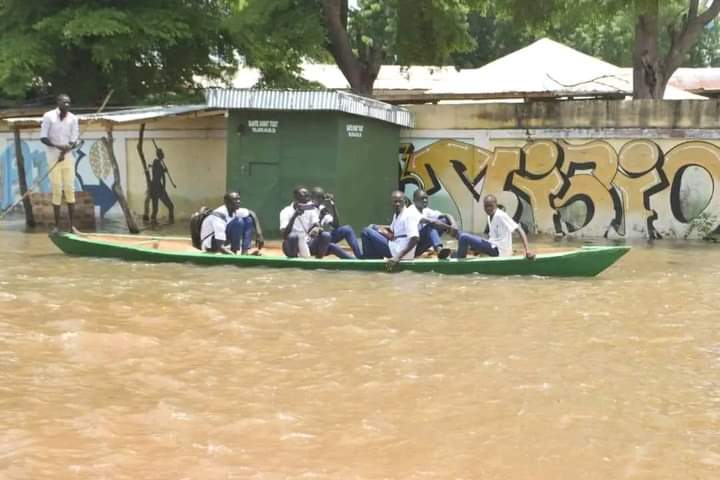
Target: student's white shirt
239	213
326	218
405	226
301	227
213	227
501	228
430	214
59	132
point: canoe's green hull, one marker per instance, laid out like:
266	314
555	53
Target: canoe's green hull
583	262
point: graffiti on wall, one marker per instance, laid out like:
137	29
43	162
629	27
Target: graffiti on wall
588	189
92	166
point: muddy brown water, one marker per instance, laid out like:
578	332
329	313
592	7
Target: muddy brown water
124	370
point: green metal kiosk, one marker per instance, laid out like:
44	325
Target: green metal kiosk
344	143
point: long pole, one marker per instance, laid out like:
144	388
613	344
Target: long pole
20	161
47	174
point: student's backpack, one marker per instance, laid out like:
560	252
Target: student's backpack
196	221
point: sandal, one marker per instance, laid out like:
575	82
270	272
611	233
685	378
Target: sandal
444	253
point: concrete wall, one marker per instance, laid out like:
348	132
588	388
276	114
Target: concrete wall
194	154
597	168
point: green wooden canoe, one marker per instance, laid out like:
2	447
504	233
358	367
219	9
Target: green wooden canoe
580	262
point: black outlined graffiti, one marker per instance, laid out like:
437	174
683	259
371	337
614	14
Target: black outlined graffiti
589	189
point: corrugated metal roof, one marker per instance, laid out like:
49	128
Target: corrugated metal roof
134	115
232	98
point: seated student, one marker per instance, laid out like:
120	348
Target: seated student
300	227
330	222
499	243
238	224
396	241
240	228
433	224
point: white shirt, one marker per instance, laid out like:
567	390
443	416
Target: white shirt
59	132
404	226
501	228
301	226
326	218
430	214
239	213
213	227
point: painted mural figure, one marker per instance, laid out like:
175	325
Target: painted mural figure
330	222
396	241
433	224
158	190
300	227
499	243
230	228
59	131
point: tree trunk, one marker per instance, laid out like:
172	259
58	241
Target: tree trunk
360	75
22	180
116	187
651	72
647	65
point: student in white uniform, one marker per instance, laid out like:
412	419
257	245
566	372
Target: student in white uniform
213	231
433	223
330	222
396	241
228	227
59	132
499	242
241	227
300	227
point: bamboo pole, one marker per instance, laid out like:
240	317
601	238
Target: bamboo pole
117	187
22	180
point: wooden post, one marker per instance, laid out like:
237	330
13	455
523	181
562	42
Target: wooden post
27	205
117	187
146	207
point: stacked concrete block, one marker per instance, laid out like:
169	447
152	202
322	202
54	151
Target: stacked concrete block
84	216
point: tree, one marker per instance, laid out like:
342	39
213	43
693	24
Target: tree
656	52
276	36
653	68
144	50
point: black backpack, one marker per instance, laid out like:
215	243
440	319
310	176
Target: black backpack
196	221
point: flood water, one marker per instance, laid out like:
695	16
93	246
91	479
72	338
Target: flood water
139	371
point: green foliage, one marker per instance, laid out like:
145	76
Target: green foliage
432	30
706	52
147	51
276	36
704	224
601	28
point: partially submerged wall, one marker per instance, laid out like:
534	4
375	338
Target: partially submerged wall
628	169
194	155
